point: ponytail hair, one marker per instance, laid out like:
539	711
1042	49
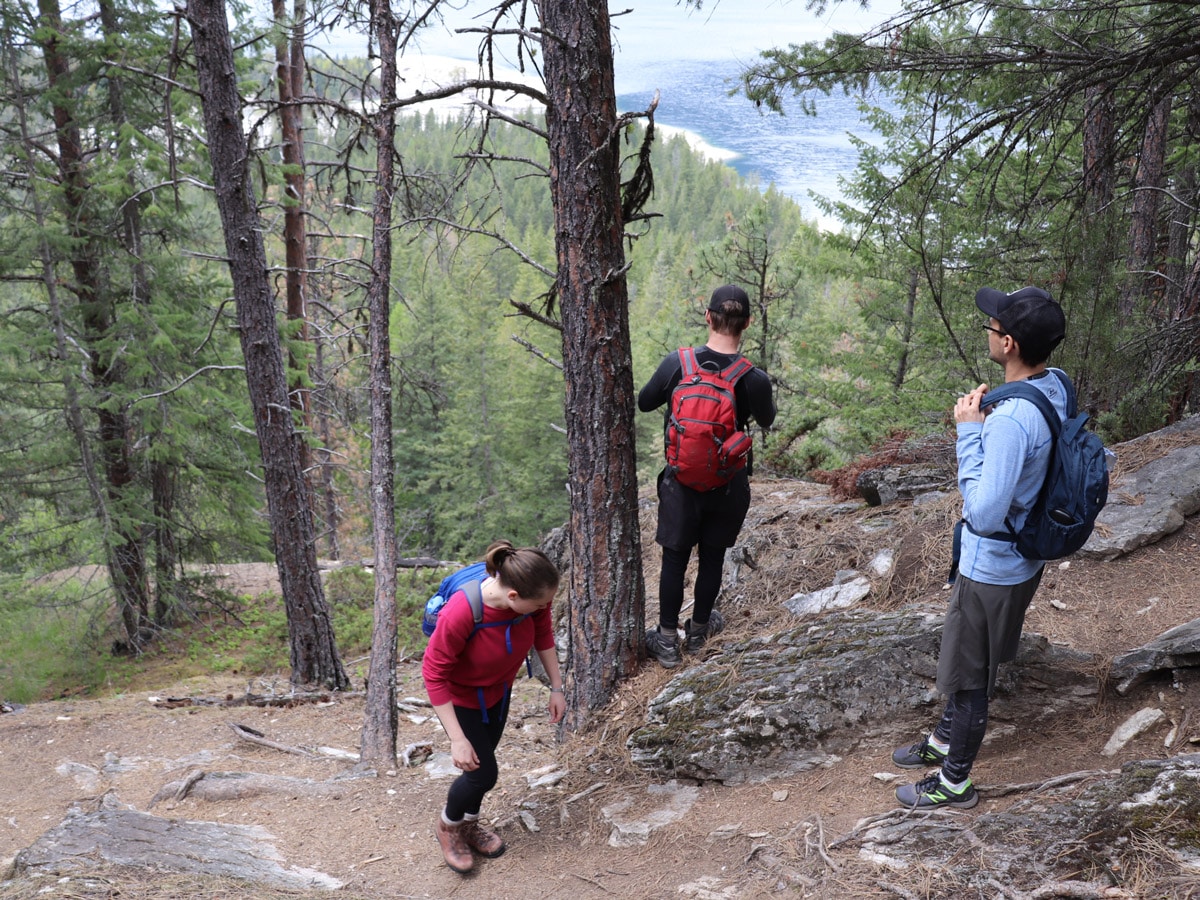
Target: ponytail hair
526	570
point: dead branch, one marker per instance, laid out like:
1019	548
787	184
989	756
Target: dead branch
246	733
897	890
186	785
1001	790
821	846
220	786
526	310
539	353
1079	890
287	701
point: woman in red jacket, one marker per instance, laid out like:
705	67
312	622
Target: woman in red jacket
469	670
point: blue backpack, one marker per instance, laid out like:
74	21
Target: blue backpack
469	581
1076	486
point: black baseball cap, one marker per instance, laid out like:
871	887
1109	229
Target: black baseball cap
1030	315
730	292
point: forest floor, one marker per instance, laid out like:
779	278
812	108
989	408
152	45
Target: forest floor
739	841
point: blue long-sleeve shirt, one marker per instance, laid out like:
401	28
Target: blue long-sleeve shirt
1001	467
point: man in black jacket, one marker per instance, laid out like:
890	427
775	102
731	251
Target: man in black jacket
711	519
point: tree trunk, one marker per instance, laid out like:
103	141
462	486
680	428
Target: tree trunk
606	610
107	372
166	554
1184	301
314	656
1098	149
325	457
289	65
1097	321
379	725
1143	225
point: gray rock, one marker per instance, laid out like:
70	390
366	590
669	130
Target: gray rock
1153	501
122	836
837	596
1139	723
1050	835
805	696
902	482
1177	648
632	824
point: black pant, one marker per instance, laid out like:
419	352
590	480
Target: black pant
963	725
670	585
467	792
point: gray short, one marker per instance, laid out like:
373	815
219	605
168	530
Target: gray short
982	629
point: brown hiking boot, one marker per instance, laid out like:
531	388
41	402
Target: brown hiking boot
454	846
481	840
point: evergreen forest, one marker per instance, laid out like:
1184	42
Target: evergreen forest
129	436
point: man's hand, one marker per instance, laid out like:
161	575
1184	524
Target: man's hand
967	408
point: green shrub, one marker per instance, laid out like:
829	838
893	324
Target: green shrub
351	586
255	642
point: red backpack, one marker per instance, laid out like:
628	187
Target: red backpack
704	446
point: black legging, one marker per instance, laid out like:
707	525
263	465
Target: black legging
670	586
467	792
962	726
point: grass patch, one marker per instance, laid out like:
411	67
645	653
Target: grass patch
51	639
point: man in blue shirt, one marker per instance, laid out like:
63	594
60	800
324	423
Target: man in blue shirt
1003	454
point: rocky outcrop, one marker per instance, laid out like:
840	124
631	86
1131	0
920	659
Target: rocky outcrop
1149	504
803	697
1146	502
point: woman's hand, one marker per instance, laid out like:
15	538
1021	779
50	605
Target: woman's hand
558	707
463	754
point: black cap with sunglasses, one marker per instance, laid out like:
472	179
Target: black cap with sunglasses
1035	321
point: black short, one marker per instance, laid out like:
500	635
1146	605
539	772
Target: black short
687	517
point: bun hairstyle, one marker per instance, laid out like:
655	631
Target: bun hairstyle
526	570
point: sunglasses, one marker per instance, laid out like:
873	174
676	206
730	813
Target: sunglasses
987	327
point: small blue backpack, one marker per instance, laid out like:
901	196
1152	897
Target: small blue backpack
1076	486
469	581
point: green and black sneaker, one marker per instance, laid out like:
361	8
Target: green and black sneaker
932	792
921	755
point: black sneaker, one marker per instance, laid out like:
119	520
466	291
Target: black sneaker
665	650
921	755
696	635
931	792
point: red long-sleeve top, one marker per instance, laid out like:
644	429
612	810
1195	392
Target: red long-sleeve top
461	659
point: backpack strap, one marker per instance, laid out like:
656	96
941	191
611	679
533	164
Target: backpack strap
1025	391
1028	392
688	364
732	373
474	591
735	370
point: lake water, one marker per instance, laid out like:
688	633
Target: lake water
693	58
799	154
